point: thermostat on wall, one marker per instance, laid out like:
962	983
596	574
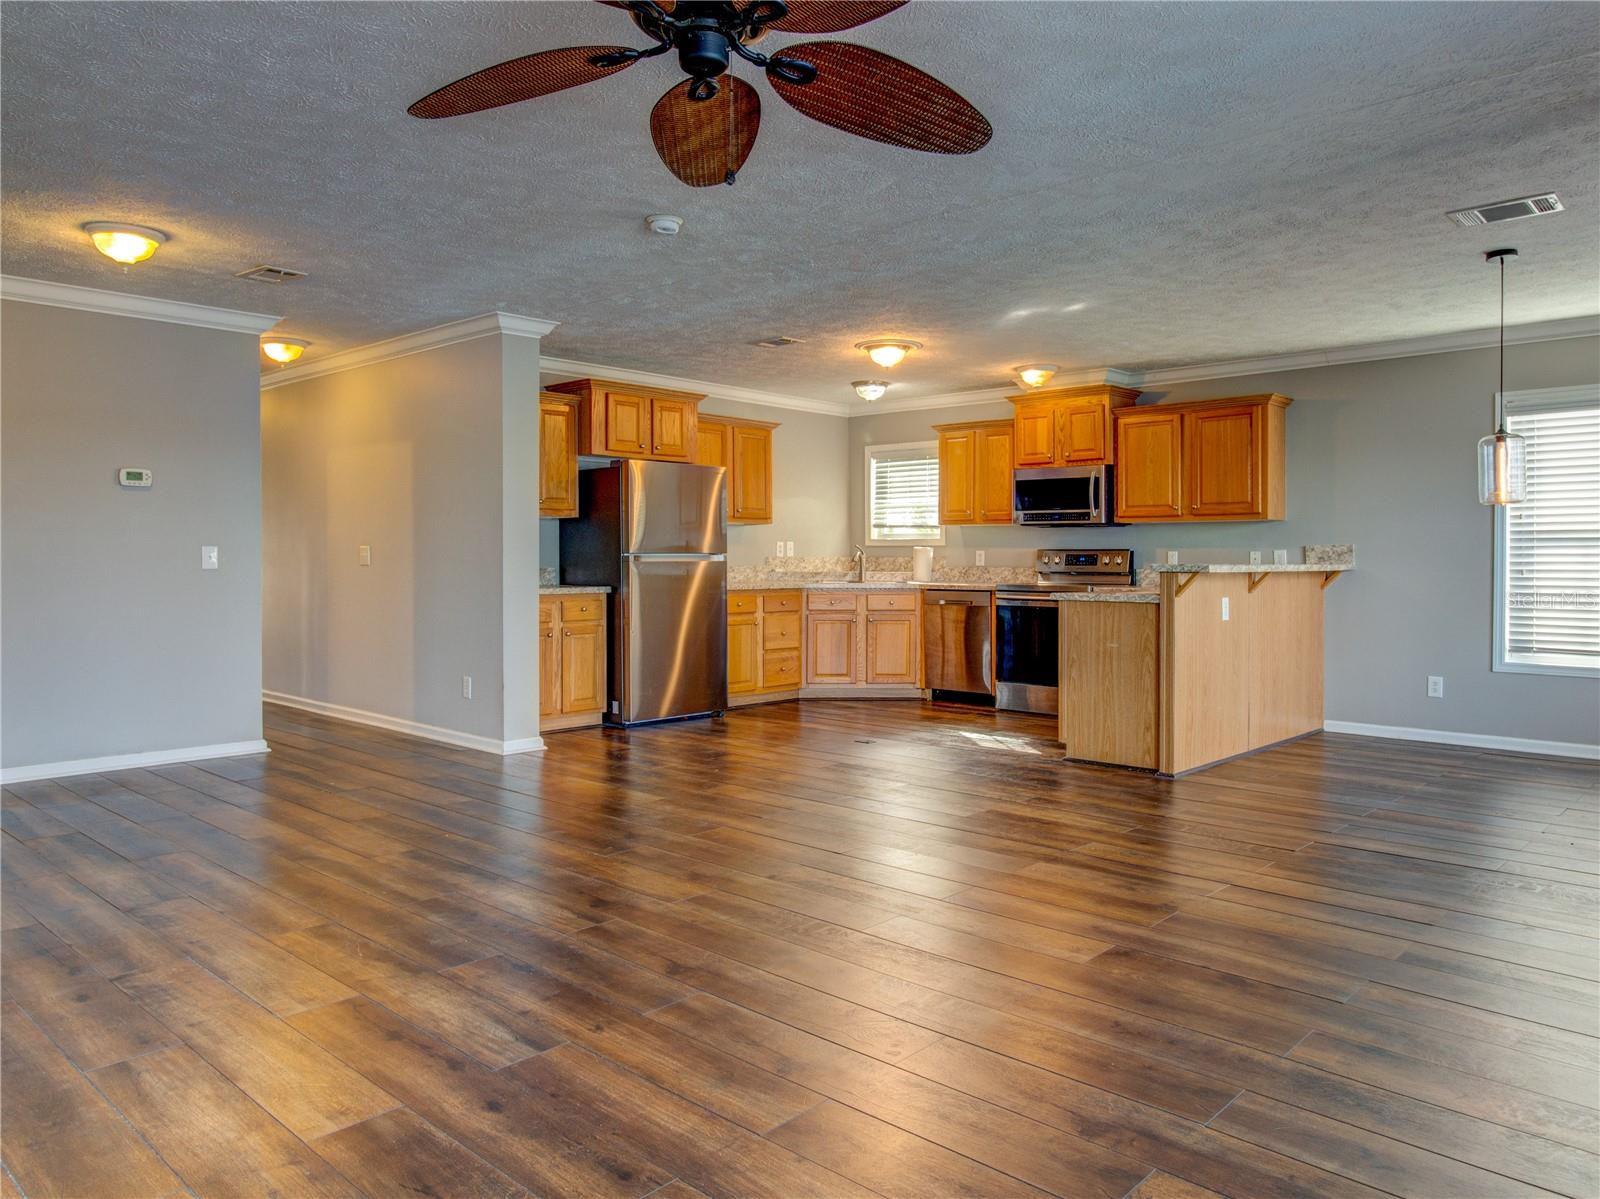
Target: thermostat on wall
135	476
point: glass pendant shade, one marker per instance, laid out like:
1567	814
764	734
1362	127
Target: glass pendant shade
1502	469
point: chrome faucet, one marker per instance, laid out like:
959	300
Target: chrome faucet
858	562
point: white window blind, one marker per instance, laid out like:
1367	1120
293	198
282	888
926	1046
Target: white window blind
1548	545
903	493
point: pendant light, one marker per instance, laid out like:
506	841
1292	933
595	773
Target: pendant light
1502	457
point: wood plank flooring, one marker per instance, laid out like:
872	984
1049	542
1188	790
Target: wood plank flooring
832	948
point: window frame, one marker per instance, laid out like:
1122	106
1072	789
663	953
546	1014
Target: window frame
866	506
1498	662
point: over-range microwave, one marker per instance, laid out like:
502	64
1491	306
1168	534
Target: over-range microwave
1062	495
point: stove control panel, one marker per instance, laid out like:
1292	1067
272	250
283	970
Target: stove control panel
1116	562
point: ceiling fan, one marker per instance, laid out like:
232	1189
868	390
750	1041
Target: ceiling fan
704	127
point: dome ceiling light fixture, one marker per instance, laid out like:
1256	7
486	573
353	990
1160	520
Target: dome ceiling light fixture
283	350
888	352
124	243
1035	374
871	389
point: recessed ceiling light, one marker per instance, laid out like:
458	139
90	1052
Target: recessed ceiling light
871	389
283	350
888	352
1035	374
126	244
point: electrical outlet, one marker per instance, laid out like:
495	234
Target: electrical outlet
1224	607
466	686
788	549
1172	557
778	553
208	557
364	555
978	558
1436	686
1255	557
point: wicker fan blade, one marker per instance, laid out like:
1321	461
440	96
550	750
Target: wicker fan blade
519	79
705	142
872	95
832	16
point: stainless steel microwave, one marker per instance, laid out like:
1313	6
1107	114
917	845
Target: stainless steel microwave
1062	495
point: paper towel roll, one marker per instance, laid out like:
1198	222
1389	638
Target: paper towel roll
922	563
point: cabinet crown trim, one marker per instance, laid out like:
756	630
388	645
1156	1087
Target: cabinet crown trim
1269	399
974	424
1106	391
587	386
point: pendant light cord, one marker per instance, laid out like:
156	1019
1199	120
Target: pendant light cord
1501	399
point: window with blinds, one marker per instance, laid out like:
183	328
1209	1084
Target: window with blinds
903	493
1547	547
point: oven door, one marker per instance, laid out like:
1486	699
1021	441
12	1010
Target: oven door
1027	653
1061	496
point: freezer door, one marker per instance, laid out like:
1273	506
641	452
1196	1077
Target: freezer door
674	639
673	508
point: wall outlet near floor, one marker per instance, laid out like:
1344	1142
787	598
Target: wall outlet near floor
364	555
788	549
1436	686
978	558
466	686
1224	607
208	557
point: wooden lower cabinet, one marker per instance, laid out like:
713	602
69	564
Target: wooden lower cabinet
572	660
763	644
891	647
831	646
863	638
1110	693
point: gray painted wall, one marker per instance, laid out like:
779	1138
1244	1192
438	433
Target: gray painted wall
810	477
426	459
1381	454
114	640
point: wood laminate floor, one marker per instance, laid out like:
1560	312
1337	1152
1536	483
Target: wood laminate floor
833	948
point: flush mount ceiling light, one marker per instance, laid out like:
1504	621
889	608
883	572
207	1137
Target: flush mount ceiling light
283	350
663	225
888	352
126	244
1502	456
1035	374
871	389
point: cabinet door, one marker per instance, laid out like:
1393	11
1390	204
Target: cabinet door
627	423
1149	477
558	458
713	446
751	485
891	647
1035	426
549	670
1222	447
672	428
583	668
831	647
744	653
958	467
1082	432
994	476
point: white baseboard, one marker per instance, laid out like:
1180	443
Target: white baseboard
1520	745
156	757
411	728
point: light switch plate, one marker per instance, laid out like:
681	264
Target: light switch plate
364	555
1224	607
1280	557
208	557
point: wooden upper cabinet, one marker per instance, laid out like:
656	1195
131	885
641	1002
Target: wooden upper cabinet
975	473
713	443
1149	478
958	476
751	485
558	456
620	420
1214	460
1067	426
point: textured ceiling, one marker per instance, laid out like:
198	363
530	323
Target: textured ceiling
1168	183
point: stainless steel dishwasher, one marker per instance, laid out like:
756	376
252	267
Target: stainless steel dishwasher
958	642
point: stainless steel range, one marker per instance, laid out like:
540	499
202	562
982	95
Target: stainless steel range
1028	623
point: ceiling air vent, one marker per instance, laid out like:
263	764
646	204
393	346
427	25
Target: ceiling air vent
1506	210
271	274
777	343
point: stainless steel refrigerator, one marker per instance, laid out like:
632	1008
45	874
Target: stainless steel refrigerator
655	533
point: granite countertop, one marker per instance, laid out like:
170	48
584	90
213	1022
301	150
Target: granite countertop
1136	595
1246	568
560	590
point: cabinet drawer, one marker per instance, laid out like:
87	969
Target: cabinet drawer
581	608
780	630
830	601
781	601
895	601
741	601
780	670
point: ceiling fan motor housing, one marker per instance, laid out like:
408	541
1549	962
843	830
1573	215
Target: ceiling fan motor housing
702	50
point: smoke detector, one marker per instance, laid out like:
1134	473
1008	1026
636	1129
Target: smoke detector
666	226
270	274
1507	210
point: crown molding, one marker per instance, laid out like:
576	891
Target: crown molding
567	368
1375	351
1085	377
121	303
506	323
